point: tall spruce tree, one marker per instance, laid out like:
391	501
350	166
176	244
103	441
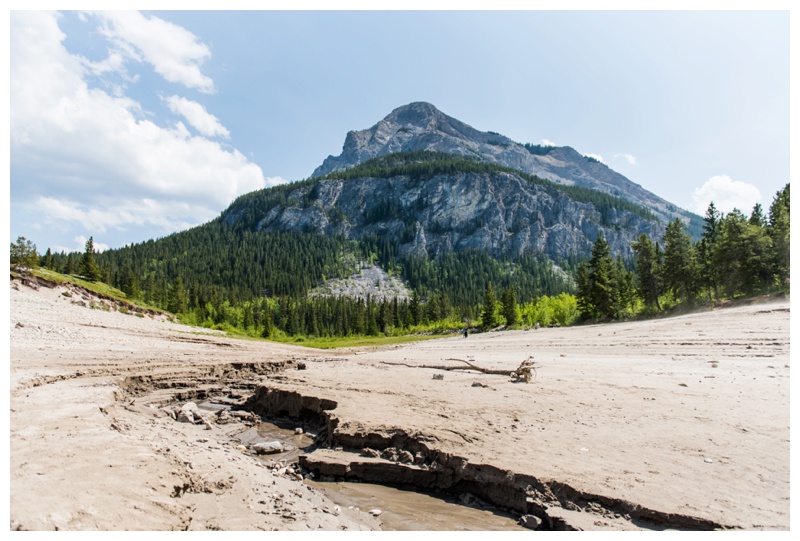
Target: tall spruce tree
778	230
88	267
708	271
489	312
603	287
508	306
648	271
680	269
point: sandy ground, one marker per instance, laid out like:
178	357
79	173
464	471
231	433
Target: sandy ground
686	415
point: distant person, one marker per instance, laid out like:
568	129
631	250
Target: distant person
465	332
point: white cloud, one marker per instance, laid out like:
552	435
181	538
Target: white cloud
274	181
597	157
548	143
196	115
726	194
95	158
175	53
629	159
80	241
166	215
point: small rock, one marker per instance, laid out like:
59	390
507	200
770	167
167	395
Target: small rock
390	453
419	458
438	376
371	453
189	413
19	325
298	430
375	512
708	461
530	521
404	457
267	447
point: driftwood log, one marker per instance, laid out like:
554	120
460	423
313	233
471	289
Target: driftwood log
524	372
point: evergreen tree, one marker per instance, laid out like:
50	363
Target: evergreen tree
88	267
778	230
626	291
47	260
680	270
489	313
757	217
266	320
508	302
603	290
130	284
584	294
709	273
414	309
177	297
648	276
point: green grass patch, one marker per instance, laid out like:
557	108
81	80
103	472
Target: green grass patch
98	287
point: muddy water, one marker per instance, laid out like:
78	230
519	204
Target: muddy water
401	510
407	510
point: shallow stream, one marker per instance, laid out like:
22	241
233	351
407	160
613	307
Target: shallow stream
401	509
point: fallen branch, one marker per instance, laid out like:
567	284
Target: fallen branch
524	372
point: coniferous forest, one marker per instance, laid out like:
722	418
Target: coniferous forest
237	278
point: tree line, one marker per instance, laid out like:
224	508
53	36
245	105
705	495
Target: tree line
735	256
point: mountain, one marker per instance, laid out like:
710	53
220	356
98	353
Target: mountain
431	200
429	185
421	126
428	204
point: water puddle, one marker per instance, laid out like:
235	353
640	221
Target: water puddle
401	509
408	510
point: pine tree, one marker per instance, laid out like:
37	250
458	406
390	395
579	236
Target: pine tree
584	294
680	269
508	302
603	290
648	276
778	229
177	297
88	267
47	260
489	312
708	271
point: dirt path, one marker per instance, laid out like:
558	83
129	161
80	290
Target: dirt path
687	416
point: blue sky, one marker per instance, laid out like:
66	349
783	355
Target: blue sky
128	126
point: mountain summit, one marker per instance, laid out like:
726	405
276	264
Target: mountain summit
421	126
425	185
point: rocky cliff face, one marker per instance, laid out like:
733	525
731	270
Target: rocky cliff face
421	126
501	213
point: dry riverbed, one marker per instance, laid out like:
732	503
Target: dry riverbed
679	423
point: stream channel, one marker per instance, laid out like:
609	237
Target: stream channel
401	509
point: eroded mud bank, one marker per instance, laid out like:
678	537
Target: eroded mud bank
395	457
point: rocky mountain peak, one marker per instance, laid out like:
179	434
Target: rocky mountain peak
421	126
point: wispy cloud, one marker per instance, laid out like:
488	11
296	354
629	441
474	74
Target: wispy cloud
175	53
274	181
548	143
726	194
95	158
597	157
197	116
628	159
